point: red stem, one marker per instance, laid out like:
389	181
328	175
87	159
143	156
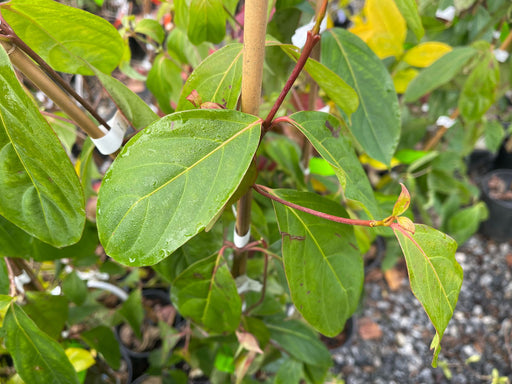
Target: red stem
265	191
304	55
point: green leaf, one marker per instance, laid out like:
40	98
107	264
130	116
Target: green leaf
403	202
65	131
435	275
439	73
206	292
376	123
217	79
93	40
465	222
289	372
180	48
49	312
138	113
207	22
300	341
133	312
164	81
324	132
152	29
15	242
4	278
38	358
494	134
322	262
103	340
409	10
39	189
342	94
74	288
287	156
205	243
171	180
479	91
320	166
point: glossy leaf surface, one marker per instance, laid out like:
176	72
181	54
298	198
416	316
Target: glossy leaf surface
439	73
171	180
217	79
206	292
207	21
376	123
37	357
39	189
324	132
138	113
321	259
300	341
435	275
333	85
93	40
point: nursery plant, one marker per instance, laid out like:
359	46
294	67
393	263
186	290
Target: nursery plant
214	193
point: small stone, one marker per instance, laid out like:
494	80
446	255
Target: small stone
368	329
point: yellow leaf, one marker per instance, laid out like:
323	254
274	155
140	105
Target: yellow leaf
384	30
402	78
425	54
365	159
80	358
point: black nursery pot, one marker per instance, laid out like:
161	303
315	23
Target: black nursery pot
373	258
140	359
499	224
344	339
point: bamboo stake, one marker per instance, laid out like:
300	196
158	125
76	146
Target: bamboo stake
39	78
255	26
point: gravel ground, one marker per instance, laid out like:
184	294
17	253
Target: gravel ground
394	333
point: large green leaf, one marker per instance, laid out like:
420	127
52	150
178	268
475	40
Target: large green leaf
206	22
479	91
435	275
440	72
67	38
164	81
322	262
39	188
300	341
171	180
138	113
324	132
217	79
206	292
342	94
376	123
38	358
